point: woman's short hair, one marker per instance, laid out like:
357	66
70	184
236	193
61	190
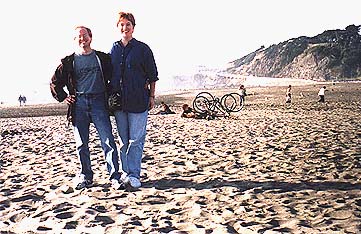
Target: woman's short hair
128	16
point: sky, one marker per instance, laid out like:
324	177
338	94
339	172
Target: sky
182	34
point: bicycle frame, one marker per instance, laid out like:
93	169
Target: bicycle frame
205	102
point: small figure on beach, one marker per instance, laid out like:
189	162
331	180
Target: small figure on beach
242	92
288	94
321	94
134	74
165	109
187	111
86	74
22	100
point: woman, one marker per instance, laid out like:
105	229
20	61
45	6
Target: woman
134	76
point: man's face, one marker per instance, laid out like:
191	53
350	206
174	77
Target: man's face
82	38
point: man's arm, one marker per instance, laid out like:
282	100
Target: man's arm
57	84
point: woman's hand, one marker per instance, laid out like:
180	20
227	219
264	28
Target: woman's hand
151	102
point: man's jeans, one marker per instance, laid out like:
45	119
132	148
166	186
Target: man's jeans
91	108
132	128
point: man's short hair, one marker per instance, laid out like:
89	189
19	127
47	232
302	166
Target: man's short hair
86	28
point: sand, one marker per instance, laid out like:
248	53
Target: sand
272	168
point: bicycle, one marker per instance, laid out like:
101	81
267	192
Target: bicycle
205	103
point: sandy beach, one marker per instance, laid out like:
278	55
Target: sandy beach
271	168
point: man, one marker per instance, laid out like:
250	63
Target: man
86	74
321	94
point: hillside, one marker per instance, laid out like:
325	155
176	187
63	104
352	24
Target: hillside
331	55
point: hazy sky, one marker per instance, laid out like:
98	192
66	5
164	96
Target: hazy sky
36	34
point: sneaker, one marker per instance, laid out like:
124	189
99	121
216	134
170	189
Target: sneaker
84	184
134	182
117	184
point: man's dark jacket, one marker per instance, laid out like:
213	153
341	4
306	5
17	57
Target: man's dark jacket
64	76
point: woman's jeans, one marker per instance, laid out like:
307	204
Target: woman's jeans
91	108
132	130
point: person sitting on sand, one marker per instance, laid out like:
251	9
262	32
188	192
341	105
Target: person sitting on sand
321	94
187	112
165	109
288	94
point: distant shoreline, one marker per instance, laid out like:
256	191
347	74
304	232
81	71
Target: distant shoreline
36	110
174	97
250	82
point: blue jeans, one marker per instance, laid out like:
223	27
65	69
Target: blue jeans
132	128
91	108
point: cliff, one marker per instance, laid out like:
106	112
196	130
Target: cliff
331	55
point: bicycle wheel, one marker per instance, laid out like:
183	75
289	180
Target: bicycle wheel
202	102
232	102
206	95
239	102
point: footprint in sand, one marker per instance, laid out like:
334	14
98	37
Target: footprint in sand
104	220
65	215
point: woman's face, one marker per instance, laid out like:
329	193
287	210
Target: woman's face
126	28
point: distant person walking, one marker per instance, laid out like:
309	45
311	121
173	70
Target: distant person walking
86	74
242	92
321	94
134	76
22	100
288	94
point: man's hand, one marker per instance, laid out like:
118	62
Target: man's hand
69	99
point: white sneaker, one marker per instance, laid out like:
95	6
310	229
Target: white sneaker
124	177
117	184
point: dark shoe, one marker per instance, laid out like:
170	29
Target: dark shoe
84	184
